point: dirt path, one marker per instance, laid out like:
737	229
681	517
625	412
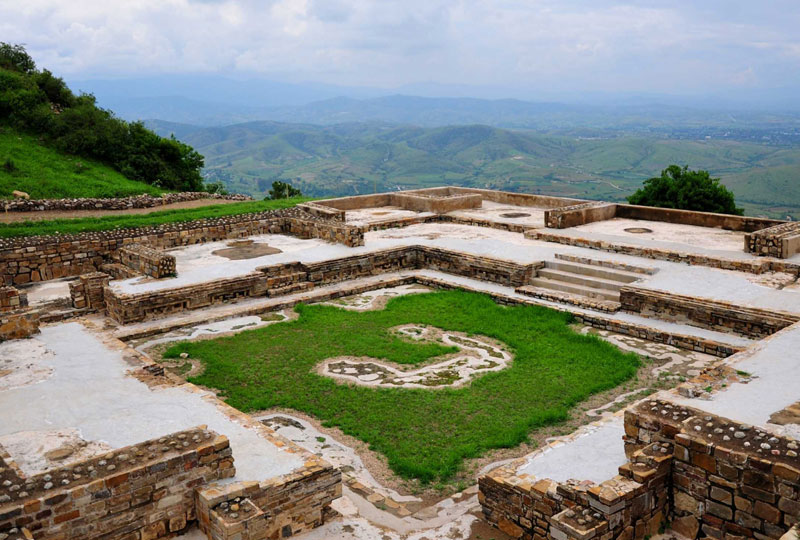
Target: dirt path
15	217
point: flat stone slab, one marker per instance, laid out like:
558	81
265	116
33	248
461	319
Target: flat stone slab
90	391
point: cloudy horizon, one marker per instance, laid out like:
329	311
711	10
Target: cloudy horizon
602	46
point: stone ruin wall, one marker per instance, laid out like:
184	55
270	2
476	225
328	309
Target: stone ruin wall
781	241
12	299
277	508
721	487
579	214
148	261
41	258
632	505
713	314
282	279
138	492
114	203
702	484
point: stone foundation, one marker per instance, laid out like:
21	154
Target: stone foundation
18	324
12	299
781	241
145	491
579	214
751	322
88	291
148	261
118	203
40	258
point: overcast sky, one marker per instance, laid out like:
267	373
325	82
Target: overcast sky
674	46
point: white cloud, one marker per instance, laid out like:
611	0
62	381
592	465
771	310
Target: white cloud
595	44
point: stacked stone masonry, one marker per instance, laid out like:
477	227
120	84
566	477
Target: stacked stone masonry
118	203
292	277
144	491
631	505
88	291
728	479
12	299
781	241
148	261
40	258
751	322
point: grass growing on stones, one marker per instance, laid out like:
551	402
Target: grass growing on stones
125	221
425	434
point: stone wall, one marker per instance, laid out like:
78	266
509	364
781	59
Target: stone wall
439	202
781	241
12	299
579	214
88	291
740	265
276	508
728	479
40	258
287	278
148	261
324	212
118	203
715	315
700	219
18	324
139	492
631	505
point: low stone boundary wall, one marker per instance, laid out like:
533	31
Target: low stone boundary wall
324	212
12	299
728	480
740	265
716	315
438	202
781	241
579	214
19	324
139	492
690	217
40	258
291	277
148	261
88	291
631	505
118	203
277	508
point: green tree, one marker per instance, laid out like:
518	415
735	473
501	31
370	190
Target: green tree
282	190
684	189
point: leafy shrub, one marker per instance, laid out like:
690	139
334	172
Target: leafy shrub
684	189
40	103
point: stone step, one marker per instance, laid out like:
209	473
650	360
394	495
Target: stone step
591	270
552	295
289	289
573	288
581	279
284	280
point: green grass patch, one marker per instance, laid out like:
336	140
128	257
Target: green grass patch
44	173
79	225
425	434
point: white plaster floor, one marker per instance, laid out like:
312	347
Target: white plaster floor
90	391
566	459
775	385
368	216
494	211
672	236
196	264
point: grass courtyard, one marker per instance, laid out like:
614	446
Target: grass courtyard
424	433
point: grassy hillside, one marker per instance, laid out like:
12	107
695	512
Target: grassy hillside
42	172
361	158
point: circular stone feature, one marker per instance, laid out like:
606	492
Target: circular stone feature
514	215
638	230
245	249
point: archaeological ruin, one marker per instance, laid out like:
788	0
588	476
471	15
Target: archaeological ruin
111	427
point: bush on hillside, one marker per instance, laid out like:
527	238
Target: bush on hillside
686	190
40	103
282	190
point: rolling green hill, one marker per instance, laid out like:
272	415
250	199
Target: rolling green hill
42	172
350	159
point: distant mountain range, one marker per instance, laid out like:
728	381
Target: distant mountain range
359	157
216	101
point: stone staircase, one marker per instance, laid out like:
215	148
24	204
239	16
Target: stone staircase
575	282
